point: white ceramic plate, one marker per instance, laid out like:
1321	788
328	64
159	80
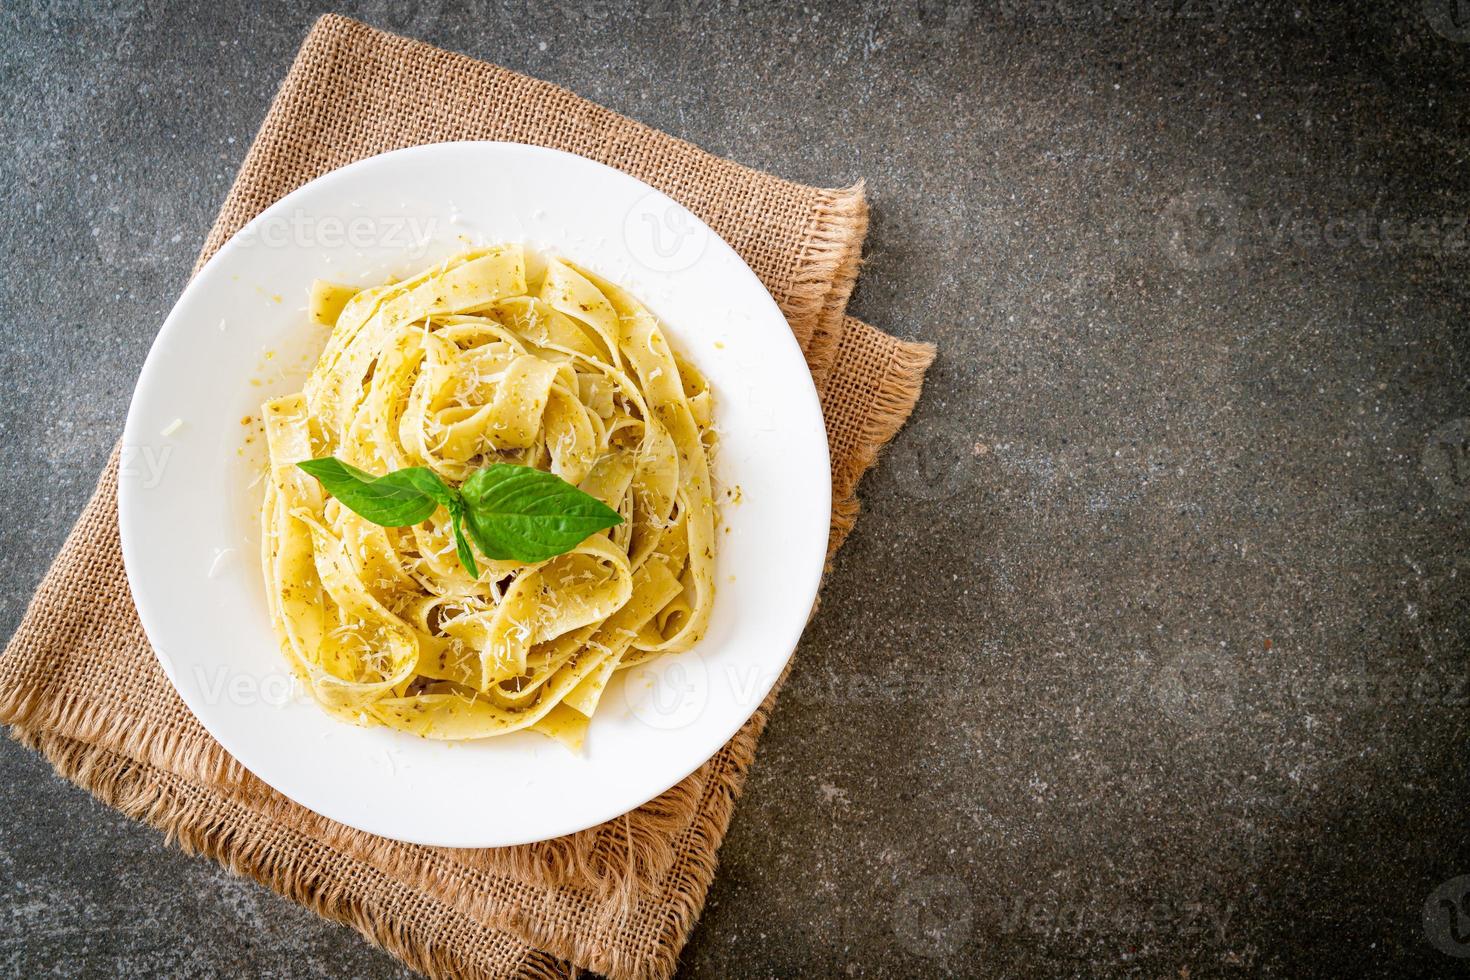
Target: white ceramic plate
239	334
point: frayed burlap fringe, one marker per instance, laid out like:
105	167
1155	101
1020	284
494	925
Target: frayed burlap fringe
150	743
621	898
826	272
850	217
903	382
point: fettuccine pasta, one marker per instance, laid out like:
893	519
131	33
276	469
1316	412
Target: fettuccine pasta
492	356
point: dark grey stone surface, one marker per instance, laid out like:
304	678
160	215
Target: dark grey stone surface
1149	654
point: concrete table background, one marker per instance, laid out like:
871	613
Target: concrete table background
1149	653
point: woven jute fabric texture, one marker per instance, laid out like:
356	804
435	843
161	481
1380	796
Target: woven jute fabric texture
620	899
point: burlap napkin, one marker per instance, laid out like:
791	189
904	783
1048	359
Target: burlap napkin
621	898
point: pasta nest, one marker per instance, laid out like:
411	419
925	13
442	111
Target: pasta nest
495	355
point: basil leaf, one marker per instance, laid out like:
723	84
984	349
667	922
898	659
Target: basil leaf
423	479
399	499
529	515
515	512
461	544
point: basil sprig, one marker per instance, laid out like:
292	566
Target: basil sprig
509	512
